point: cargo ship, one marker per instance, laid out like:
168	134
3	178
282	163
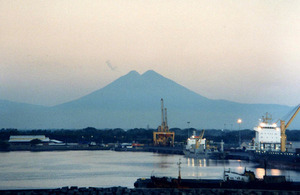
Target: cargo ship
231	180
197	147
270	144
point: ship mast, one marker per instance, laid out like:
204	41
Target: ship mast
179	169
266	119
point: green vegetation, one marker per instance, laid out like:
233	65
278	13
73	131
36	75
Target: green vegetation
4	145
144	136
35	142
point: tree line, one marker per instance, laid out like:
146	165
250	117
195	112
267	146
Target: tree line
138	135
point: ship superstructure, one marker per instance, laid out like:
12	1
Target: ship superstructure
197	147
196	143
267	135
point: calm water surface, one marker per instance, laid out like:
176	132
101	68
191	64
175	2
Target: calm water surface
21	170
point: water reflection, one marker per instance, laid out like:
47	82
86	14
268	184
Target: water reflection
208	168
109	168
163	162
275	172
194	162
260	172
197	162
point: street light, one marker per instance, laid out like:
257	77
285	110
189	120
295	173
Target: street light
239	121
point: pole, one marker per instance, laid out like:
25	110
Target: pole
188	128
239	134
239	121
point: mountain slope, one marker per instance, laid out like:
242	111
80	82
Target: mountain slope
135	91
18	115
133	101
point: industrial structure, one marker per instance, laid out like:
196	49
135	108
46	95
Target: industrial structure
163	136
284	126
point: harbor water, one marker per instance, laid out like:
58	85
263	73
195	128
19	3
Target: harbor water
35	170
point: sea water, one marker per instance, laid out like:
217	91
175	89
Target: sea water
32	170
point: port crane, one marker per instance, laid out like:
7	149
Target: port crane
284	126
200	138
163	136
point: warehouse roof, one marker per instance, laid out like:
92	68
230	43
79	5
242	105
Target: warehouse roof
27	138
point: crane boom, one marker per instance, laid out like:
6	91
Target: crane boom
201	135
283	127
292	118
166	119
199	139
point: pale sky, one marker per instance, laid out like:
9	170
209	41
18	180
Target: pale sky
59	50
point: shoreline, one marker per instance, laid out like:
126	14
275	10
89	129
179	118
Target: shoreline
52	148
164	150
160	150
140	191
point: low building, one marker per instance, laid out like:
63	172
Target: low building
26	139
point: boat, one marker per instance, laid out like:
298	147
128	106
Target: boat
231	180
197	147
270	146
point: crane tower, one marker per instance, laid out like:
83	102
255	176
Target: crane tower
283	128
163	136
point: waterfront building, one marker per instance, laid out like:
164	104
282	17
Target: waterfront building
26	139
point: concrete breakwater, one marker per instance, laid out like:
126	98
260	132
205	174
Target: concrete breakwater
143	191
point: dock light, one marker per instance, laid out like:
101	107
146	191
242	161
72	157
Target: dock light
239	121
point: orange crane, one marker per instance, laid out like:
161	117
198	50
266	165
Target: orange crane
163	137
284	126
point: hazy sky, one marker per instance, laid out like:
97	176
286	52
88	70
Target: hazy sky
245	51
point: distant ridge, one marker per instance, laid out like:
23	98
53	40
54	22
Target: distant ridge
133	101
